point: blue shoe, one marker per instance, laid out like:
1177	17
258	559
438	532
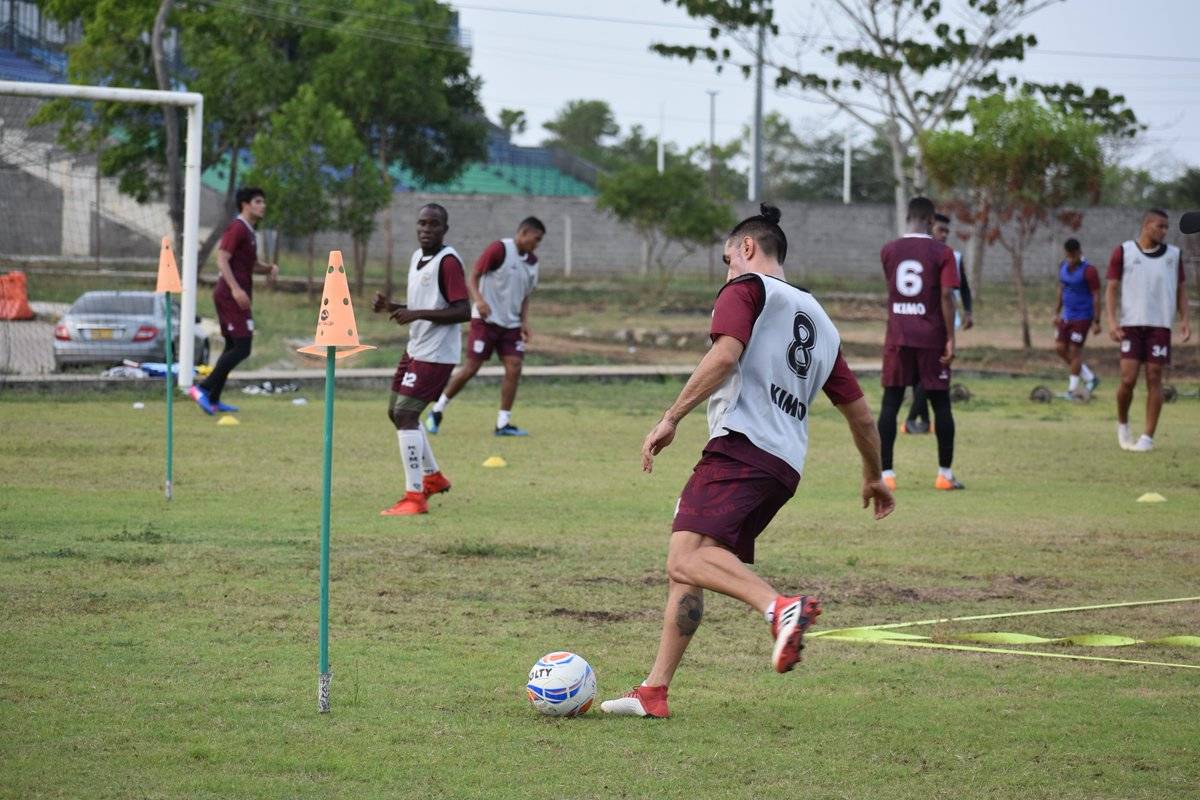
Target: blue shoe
197	394
511	430
226	408
433	422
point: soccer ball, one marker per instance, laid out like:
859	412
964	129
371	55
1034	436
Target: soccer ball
561	684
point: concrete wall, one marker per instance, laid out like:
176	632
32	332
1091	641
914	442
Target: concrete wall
823	238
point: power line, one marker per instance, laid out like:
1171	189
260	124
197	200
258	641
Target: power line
582	17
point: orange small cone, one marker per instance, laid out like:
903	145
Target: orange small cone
168	272
335	323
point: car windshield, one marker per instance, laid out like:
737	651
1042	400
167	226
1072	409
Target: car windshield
125	304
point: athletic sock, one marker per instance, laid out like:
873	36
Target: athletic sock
889	473
769	614
429	464
946	472
1072	383
502	418
412	446
441	404
1123	431
1086	373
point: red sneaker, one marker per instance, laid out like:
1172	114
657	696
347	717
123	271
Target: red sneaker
413	503
435	484
643	701
793	616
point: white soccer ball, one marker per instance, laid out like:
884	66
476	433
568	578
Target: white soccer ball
561	684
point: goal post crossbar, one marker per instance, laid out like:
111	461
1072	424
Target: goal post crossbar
194	103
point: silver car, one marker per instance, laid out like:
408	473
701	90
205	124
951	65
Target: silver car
109	327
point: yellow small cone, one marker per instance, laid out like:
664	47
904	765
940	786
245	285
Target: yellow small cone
228	419
495	461
1152	497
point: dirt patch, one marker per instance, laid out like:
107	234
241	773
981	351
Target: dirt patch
587	615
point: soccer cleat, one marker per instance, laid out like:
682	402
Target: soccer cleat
890	482
916	425
947	484
435	484
433	422
198	394
1123	440
643	701
226	408
1144	444
793	616
413	503
1091	383
511	430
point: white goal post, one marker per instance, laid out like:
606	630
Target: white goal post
194	103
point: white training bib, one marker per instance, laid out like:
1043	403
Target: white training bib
506	287
437	343
1149	286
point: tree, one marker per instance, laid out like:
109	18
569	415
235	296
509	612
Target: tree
244	64
809	167
907	67
581	128
1033	160
1184	191
1128	186
668	210
300	158
359	195
395	70
513	121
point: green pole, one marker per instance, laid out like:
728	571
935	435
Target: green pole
325	676
170	403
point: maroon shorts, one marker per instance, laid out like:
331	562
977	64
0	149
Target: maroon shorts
423	380
730	502
904	366
1072	331
484	337
1143	343
235	321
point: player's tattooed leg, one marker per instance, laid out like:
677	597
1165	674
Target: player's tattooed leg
689	612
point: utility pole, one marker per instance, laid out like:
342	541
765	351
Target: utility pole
662	124
712	166
846	170
756	171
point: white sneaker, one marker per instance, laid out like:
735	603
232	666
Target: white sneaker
1123	439
643	701
1144	444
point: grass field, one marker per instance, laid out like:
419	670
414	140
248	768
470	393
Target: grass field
157	650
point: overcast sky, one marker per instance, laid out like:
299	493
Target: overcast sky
537	54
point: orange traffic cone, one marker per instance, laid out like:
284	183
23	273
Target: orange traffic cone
168	272
335	323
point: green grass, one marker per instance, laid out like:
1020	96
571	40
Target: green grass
168	650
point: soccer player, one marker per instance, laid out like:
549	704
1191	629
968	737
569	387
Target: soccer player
1148	274
918	411
437	303
921	276
500	285
237	261
774	348
1078	310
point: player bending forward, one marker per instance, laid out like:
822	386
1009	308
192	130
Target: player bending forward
773	349
437	303
500	285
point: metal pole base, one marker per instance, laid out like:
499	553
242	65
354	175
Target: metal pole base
168	490
323	692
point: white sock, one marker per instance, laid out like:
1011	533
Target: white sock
441	404
1123	431
1086	373
889	473
1072	383
946	472
502	418
412	446
428	462
769	614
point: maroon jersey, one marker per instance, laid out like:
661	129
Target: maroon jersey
917	269
239	241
